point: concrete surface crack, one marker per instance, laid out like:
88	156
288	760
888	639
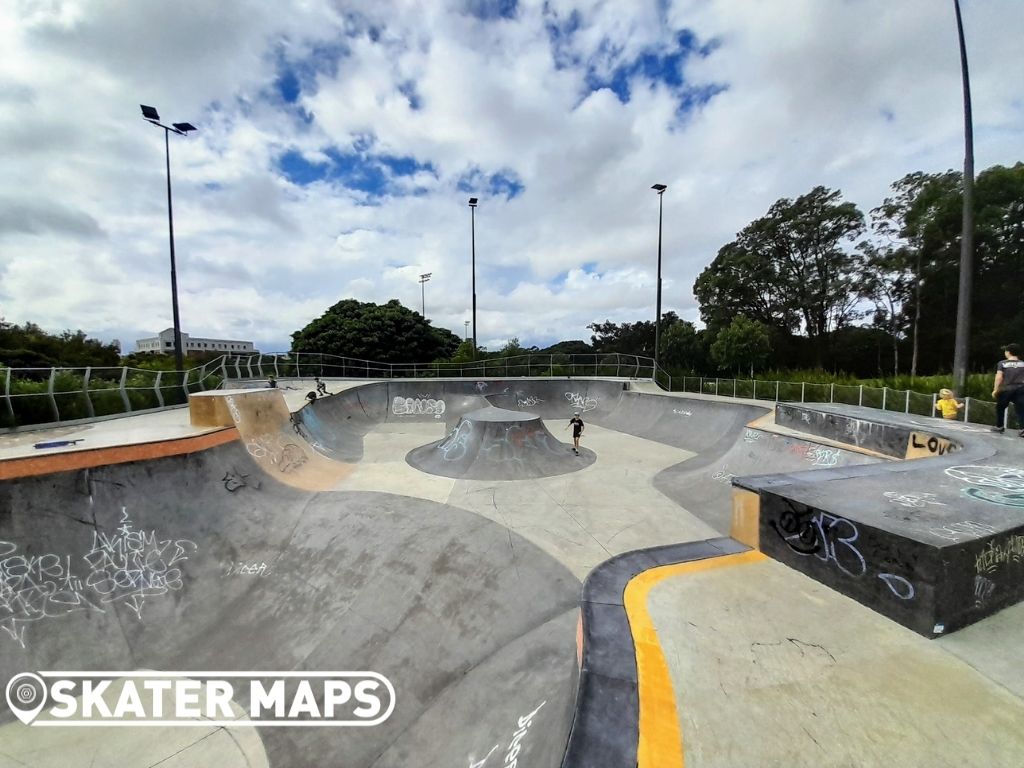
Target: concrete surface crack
812	738
187	746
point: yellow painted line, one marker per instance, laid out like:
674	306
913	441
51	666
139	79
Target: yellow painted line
661	740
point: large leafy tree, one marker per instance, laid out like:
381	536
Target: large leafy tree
923	216
388	333
744	343
682	348
916	231
788	268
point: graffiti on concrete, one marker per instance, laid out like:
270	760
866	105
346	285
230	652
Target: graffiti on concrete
418	406
820	456
682	412
125	568
481	386
509	756
233	408
983	589
961	531
287	457
455	445
581	402
834	541
898	585
922	445
751	435
913	499
234	480
516	443
998	553
723	476
527	401
994	484
827	537
254	568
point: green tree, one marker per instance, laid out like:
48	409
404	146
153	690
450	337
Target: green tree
789	267
682	348
388	333
745	342
917	221
629	338
888	282
30	346
925	215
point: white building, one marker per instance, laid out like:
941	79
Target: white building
164	342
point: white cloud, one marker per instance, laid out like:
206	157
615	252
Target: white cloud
851	95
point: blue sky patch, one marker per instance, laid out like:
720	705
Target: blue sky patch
652	67
488	10
504	183
372	174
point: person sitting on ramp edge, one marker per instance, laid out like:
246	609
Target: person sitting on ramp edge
577	429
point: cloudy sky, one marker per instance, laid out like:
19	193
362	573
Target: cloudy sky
338	144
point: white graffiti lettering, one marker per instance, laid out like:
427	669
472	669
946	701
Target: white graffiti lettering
581	402
915	500
967	529
820	456
983	589
995	484
682	412
409	406
287	457
454	446
125	567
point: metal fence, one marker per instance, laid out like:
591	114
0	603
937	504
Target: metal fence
883	398
306	365
47	396
40	396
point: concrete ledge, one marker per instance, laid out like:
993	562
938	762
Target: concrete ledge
606	723
98	457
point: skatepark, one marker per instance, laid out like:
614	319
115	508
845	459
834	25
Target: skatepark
711	582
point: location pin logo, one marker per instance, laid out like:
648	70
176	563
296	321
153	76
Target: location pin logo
26	696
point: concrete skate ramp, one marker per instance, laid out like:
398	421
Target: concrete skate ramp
473	625
703	484
498	444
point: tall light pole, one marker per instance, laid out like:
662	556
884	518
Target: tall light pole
962	343
660	189
472	225
182	129
424	279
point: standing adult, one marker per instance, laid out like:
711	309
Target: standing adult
1009	387
577	429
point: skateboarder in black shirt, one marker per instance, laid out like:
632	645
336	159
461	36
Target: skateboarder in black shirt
1009	387
577	429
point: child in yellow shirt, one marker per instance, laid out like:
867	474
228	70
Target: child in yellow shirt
948	404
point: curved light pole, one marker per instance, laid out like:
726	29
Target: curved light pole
182	129
660	189
962	343
472	218
424	279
